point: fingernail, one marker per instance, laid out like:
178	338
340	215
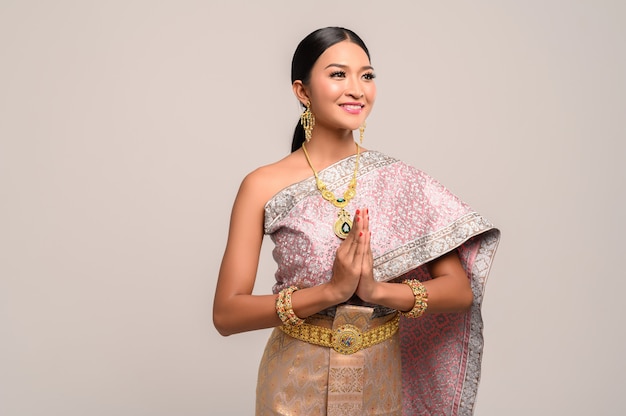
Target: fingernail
360	233
358	211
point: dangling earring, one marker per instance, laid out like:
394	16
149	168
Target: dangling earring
307	119
361	132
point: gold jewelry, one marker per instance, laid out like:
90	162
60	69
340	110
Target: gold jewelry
421	298
307	119
343	225
284	308
361	132
347	339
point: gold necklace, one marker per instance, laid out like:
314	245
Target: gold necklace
344	222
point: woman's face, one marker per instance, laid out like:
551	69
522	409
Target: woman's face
341	88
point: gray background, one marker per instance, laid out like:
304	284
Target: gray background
126	127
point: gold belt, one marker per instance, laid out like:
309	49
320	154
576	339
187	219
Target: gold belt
346	339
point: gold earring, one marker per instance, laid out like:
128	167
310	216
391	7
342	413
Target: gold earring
307	119
361	132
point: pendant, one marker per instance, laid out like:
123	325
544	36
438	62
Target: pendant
343	225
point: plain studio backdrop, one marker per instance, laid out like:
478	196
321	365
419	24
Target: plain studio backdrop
127	126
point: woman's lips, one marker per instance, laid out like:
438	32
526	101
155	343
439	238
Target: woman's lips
355	108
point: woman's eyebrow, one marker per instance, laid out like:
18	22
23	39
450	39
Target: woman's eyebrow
346	66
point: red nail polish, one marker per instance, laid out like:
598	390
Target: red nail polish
360	233
358	211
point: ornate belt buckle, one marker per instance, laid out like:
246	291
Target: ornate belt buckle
347	339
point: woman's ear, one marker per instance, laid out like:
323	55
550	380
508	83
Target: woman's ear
301	92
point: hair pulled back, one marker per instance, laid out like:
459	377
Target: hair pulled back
307	53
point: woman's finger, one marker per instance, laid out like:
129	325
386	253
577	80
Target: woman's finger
353	236
368	259
363	232
364	224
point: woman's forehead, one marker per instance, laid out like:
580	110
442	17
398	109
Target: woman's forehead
344	53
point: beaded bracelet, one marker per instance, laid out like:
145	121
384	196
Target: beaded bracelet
421	298
284	308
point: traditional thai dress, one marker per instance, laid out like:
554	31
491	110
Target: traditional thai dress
432	365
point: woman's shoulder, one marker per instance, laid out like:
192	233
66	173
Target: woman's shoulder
287	170
265	181
398	165
399	173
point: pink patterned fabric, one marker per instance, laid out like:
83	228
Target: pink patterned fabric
414	219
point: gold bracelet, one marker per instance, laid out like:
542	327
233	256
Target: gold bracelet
421	298
284	307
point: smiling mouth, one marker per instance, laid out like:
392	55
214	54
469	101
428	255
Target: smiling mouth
352	107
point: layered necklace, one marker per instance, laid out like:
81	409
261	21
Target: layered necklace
344	222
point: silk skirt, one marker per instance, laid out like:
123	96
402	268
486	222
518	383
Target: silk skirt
299	378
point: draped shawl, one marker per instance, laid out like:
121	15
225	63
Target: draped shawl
413	219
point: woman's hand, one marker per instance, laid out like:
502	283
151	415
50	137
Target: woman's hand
367	285
349	259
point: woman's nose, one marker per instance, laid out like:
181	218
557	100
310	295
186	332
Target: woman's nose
354	89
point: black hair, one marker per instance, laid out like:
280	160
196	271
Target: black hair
307	53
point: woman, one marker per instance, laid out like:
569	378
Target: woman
360	239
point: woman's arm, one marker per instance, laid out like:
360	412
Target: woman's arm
235	309
449	289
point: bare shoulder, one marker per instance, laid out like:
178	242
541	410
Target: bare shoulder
265	181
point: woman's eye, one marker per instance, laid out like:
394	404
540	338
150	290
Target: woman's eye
369	76
338	74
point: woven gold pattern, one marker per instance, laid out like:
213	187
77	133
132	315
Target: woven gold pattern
326	337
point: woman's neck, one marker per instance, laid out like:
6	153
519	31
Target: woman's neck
327	147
